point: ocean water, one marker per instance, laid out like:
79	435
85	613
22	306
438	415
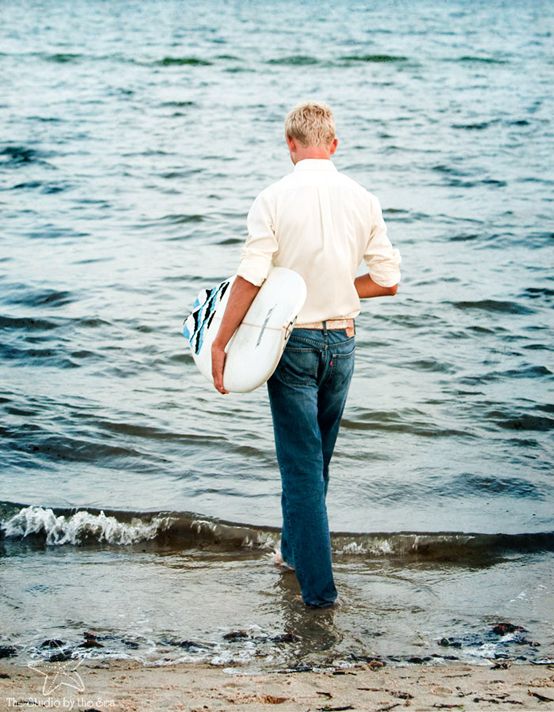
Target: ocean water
138	503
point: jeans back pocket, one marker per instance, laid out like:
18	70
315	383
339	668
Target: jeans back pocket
298	365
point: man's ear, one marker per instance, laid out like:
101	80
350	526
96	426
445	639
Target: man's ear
291	143
334	145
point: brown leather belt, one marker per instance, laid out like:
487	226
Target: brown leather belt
347	324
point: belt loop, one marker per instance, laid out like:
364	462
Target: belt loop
324	322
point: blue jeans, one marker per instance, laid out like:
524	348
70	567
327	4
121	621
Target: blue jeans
307	395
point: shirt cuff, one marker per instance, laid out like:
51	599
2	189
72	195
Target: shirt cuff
384	270
254	269
387	279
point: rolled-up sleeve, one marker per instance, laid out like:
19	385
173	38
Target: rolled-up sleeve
382	259
261	243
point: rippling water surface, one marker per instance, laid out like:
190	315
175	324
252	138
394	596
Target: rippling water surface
135	137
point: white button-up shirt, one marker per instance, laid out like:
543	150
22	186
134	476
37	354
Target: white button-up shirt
322	224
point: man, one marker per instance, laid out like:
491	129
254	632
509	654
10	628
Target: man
321	224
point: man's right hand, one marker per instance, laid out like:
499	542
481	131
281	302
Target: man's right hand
241	297
218	366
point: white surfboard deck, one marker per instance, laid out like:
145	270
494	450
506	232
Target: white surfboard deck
257	345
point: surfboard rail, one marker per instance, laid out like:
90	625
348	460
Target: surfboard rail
256	347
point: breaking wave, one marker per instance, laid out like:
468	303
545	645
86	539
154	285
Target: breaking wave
186	530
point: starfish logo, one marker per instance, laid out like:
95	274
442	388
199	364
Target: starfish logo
63	672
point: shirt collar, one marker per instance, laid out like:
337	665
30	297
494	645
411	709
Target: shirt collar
315	164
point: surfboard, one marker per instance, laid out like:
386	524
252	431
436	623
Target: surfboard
256	347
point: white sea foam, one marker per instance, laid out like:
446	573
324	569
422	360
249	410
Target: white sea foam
76	528
202	525
260	541
377	547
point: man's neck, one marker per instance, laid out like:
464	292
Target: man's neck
312	152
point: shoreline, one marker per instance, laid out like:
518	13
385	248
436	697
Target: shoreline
131	686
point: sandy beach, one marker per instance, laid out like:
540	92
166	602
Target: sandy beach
129	686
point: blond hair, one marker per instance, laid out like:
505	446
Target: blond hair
311	123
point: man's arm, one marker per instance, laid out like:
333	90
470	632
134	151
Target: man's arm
367	288
381	258
255	265
241	297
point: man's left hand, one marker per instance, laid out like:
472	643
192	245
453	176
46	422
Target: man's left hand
218	366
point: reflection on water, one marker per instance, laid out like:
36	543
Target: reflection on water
164	605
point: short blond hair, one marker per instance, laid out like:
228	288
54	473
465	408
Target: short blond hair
311	123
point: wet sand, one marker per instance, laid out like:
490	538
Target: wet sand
132	686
